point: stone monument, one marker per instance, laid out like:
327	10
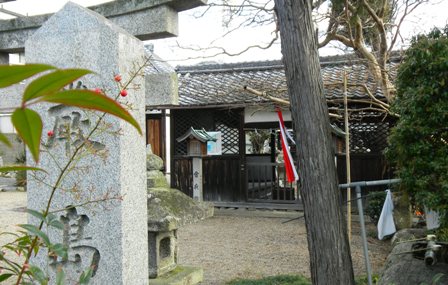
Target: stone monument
110	237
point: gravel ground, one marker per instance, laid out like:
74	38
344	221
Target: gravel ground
229	247
250	247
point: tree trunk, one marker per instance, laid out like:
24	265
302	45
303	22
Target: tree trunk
328	245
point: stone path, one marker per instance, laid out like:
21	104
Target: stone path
12	213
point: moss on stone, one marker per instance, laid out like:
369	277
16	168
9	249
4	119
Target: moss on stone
156	179
153	162
170	208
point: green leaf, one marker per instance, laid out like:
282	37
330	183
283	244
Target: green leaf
20	168
13	266
60	276
52	83
91	100
436	278
5	140
35	231
29	126
5	276
36	214
39	275
56	224
51	217
85	277
12	74
60	250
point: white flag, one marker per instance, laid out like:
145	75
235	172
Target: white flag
386	225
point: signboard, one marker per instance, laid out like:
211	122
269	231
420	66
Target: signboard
214	147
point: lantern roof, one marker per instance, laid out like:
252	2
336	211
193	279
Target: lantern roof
200	135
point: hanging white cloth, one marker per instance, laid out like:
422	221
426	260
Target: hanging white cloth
432	219
386	225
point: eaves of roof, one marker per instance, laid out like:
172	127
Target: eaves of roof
224	84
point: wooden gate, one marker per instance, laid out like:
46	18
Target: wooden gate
266	182
222	179
223	174
182	175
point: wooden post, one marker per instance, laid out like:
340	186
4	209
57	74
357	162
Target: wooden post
347	160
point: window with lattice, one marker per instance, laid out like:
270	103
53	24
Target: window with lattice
367	137
225	121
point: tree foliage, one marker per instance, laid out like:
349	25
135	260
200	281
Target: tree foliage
419	142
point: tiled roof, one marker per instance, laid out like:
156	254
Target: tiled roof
219	84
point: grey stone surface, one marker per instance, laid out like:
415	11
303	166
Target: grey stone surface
145	19
408	234
161	82
403	269
154	23
162	89
111	235
153	162
169	209
8	101
162	252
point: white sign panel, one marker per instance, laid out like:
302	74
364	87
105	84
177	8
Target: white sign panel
214	147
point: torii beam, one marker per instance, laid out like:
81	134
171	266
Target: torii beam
145	19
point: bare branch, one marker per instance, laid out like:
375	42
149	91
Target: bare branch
278	100
409	8
346	41
223	51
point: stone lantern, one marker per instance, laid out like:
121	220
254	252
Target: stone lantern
196	148
196	141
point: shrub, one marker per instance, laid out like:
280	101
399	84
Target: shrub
375	206
418	145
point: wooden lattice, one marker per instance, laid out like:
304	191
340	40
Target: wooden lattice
225	121
368	137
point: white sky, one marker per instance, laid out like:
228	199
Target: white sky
206	31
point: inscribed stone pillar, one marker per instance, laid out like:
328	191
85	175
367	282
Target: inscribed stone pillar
197	179
110	236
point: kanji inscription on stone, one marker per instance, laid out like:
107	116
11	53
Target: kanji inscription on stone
81	255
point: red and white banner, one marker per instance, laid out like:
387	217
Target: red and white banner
291	172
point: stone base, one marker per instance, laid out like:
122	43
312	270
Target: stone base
182	275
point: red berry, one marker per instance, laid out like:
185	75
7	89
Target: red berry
117	78
124	93
50	133
98	90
